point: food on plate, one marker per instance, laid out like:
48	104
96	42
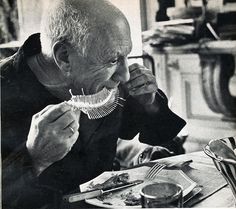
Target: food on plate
104	197
131	199
114	181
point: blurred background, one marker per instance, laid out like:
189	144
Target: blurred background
190	45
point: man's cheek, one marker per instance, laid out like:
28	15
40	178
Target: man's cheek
106	75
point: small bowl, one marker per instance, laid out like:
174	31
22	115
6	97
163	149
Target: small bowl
162	195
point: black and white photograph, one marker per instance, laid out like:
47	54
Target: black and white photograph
118	104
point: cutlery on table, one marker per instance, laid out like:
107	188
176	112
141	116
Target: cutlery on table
98	192
157	167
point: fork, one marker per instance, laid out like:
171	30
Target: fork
155	169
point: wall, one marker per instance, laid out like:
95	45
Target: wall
151	9
29	13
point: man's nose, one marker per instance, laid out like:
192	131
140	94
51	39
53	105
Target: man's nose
122	73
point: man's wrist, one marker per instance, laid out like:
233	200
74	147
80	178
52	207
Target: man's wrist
159	103
152	108
38	168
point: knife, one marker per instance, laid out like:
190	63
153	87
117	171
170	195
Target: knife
97	192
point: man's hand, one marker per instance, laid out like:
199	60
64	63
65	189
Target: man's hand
142	86
53	132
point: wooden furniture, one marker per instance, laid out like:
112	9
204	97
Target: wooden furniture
192	76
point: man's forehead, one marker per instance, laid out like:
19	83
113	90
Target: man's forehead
107	49
110	37
121	48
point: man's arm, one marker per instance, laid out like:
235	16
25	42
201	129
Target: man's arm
20	187
156	129
157	133
49	140
163	125
146	110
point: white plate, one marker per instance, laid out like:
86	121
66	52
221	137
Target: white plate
115	200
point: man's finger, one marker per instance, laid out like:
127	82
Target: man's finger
137	82
141	81
45	109
135	66
135	75
56	111
140	72
71	128
77	113
65	119
146	89
42	111
71	135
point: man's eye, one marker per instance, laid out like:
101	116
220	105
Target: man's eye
113	62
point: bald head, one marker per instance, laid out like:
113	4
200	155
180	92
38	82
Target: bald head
78	22
97	10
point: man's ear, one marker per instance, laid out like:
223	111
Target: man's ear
61	57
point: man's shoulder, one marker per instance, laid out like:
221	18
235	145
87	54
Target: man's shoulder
30	47
6	64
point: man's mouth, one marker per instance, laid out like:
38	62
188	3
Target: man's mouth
96	105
